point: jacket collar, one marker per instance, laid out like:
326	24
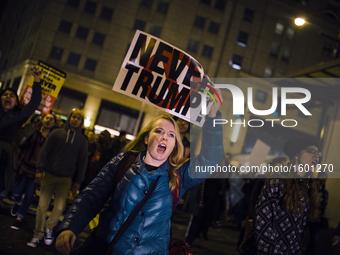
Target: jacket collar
163	170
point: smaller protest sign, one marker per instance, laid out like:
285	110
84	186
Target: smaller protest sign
52	80
259	153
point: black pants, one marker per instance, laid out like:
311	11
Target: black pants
3	165
314	232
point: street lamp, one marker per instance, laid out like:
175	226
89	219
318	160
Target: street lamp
299	21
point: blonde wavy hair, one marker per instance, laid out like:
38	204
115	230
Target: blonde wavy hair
176	158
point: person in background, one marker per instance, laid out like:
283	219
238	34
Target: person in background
253	198
63	154
119	142
60	123
92	145
160	159
203	204
314	226
12	117
237	198
90	137
284	204
25	179
103	154
29	127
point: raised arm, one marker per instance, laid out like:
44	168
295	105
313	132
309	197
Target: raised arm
34	102
211	153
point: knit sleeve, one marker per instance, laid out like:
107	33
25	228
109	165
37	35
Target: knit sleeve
266	209
211	154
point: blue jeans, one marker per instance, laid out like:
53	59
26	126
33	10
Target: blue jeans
24	186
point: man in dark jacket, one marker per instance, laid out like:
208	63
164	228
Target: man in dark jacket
63	154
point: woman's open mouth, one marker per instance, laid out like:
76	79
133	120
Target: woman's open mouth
161	148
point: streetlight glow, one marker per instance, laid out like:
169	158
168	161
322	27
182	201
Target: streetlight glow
299	21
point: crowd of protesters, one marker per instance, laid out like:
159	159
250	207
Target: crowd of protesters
59	158
44	152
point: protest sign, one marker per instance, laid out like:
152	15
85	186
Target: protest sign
259	153
52	80
162	75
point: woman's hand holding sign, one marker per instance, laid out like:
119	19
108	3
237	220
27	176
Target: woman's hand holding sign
214	108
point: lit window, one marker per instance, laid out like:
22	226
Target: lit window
242	39
69	99
214	27
277	112
285	54
56	53
290	33
279	28
274	50
268	72
236	62
117	117
261	96
248	15
199	22
90	64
